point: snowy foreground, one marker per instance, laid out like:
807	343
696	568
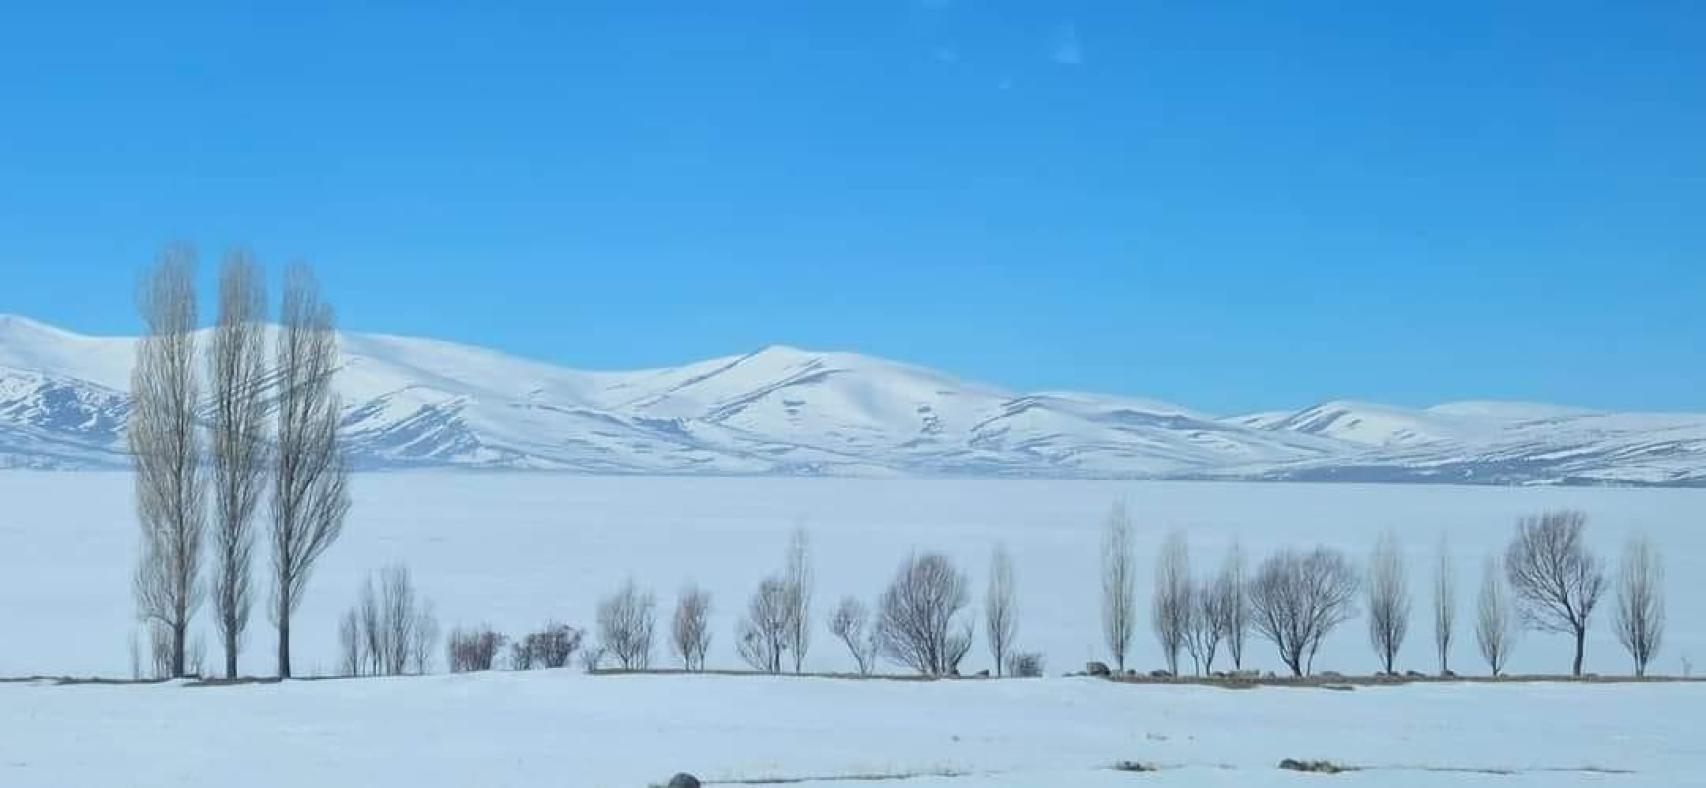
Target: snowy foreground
569	729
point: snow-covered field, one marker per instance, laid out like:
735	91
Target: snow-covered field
560	728
512	550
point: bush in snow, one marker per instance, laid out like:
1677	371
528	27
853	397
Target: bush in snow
551	647
1025	665
474	649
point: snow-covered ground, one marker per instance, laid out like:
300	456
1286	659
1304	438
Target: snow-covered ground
562	728
513	550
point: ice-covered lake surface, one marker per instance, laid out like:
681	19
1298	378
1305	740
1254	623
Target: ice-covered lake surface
512	550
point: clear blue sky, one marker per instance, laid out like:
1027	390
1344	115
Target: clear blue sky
1227	205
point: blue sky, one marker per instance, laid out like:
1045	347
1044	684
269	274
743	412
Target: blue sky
1226	205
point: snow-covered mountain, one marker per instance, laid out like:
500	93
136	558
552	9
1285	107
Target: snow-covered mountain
424	403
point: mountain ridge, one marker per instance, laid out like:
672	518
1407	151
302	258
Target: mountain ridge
781	410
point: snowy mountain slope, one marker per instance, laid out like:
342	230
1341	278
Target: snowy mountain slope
413	402
1497	443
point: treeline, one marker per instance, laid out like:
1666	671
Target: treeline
266	431
924	621
1547	580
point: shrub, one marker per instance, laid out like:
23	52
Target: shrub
474	649
551	647
1027	665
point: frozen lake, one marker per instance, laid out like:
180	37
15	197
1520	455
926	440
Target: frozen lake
513	550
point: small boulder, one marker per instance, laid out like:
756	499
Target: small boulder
1312	767
1414	674
1097	669
1160	674
1330	674
683	780
982	674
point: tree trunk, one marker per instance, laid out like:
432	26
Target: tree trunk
231	656
178	649
1576	670
284	632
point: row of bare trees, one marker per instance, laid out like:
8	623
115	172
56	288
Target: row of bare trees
1547	580
188	449
920	621
1293	599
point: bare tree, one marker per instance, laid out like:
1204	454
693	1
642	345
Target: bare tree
849	623
170	488
310	478
1388	601
1297	599
690	632
1556	581
1119	585
1445	606
1206	625
1231	589
237	443
626	620
798	576
1640	618
159	650
399	610
917	614
761	637
389	628
349	644
1173	605
1495	622
425	639
1000	619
